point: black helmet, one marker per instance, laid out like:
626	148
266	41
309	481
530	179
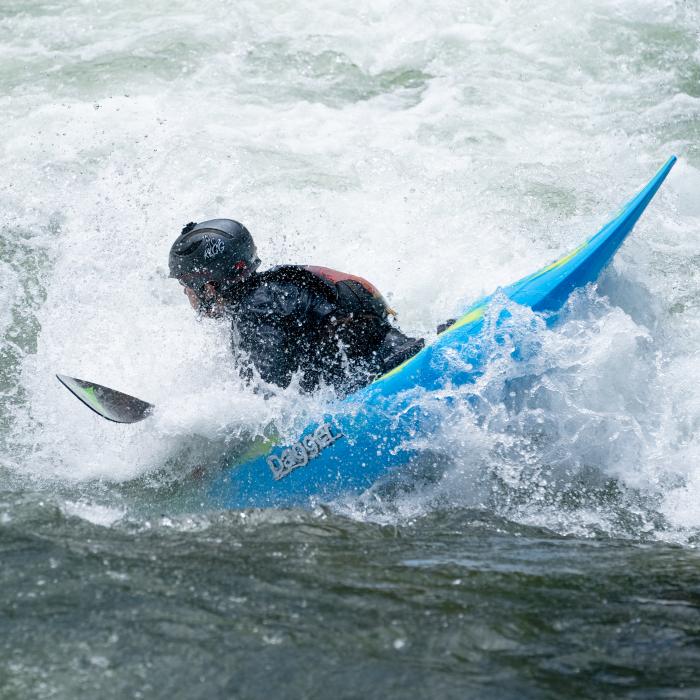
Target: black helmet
213	251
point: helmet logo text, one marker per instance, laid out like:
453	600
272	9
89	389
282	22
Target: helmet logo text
214	247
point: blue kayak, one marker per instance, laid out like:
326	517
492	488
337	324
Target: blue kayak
370	435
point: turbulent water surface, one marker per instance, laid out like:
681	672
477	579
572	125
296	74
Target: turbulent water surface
439	149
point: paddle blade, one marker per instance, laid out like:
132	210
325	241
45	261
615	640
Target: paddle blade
106	402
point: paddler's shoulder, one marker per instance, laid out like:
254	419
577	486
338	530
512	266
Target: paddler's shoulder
284	290
296	276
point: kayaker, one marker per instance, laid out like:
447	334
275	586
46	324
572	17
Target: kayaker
324	326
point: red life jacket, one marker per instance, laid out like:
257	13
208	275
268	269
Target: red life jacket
335	276
353	289
353	295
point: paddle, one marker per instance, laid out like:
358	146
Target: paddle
106	402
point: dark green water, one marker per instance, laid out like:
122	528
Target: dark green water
455	604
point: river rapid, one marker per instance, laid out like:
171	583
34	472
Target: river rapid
440	150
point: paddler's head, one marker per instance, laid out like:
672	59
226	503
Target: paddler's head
209	259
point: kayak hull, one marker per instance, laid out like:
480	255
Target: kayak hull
369	434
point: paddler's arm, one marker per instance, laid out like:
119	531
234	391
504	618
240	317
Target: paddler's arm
268	327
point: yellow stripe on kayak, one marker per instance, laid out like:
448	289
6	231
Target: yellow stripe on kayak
473	315
561	261
477	313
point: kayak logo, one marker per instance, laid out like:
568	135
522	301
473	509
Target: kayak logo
214	248
302	452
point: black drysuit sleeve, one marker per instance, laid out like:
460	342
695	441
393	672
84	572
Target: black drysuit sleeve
273	327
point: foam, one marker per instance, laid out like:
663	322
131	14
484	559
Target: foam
438	151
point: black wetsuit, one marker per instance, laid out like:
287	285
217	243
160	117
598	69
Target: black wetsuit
329	327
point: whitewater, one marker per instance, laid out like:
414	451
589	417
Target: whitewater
439	150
